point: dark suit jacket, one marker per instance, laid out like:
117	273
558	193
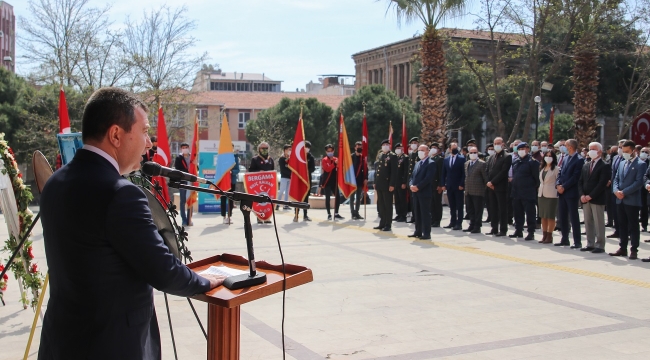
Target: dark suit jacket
422	177
630	182
595	184
453	177
569	176
498	167
105	256
525	178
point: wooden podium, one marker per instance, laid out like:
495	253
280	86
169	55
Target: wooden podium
223	304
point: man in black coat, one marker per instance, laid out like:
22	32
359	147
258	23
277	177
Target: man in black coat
592	189
361	175
103	250
385	183
436	157
401	191
182	163
311	167
420	185
497	168
414	143
525	182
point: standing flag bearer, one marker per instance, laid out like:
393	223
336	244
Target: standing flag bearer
300	180
162	156
347	181
194	170
225	163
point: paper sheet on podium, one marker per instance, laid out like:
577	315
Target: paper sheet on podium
222	270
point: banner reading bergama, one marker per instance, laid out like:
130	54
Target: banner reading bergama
262	183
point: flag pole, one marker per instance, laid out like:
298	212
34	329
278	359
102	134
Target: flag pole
365	165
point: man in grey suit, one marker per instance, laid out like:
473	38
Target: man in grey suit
627	188
475	180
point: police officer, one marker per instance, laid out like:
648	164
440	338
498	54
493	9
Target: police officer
401	205
386	179
413	158
437	157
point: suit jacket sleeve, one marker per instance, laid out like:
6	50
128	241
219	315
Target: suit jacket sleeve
638	181
178	164
574	175
502	174
602	181
462	178
132	233
617	180
646	177
581	180
484	173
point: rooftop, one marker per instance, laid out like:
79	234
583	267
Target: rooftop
258	100
239	76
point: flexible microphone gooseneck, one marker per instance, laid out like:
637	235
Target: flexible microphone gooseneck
154	169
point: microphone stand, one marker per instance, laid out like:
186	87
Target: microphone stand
253	277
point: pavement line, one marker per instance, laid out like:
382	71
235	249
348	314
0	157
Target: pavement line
467	249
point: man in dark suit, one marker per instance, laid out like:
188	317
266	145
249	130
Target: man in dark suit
421	185
182	163
567	189
627	188
453	180
612	207
311	167
401	191
592	189
525	182
385	183
497	172
414	143
436	200
475	180
103	250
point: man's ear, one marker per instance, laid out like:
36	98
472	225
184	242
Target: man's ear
114	135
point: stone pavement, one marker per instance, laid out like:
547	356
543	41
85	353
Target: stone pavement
380	295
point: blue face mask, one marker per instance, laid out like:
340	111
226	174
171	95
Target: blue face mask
563	149
330	154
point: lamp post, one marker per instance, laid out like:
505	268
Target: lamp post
538	101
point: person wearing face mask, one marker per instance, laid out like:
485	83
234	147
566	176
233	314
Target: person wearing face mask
489	151
514	155
567	187
535	151
475	180
435	156
182	163
627	187
401	205
562	152
329	182
262	162
543	148
386	180
413	158
525	182
643	156
592	188
421	185
497	171
361	175
285	176
547	195
148	156
311	167
453	180
612	208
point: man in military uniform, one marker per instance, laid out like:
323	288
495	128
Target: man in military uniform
401	191
386	179
413	158
436	201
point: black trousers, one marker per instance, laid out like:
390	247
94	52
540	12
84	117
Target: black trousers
612	216
486	197
456	201
436	207
230	205
644	208
355	200
524	207
628	226
385	207
509	205
422	213
329	192
569	212
499	213
475	206
304	211
401	204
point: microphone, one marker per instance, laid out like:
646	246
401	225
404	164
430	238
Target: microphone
154	169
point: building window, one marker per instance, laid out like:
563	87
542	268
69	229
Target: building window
178	118
243	118
174	148
202	116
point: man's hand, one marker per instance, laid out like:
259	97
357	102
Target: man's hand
414	188
560	189
609	183
588	198
403	186
490	185
391	188
619	194
647	187
460	188
439	190
443	188
215	280
365	182
583	199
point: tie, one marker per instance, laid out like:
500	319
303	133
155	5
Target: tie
452	161
591	169
627	166
561	160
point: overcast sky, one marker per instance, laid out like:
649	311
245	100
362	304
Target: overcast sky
289	40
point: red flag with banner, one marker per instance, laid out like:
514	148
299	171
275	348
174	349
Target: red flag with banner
162	156
404	137
550	127
262	183
641	130
193	167
64	119
364	152
390	135
299	184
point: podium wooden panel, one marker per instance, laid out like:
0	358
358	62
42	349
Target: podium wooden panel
224	304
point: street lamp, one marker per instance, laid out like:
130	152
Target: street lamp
538	101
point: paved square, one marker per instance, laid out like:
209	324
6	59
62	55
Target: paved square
380	295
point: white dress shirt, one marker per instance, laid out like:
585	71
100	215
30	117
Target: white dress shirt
103	154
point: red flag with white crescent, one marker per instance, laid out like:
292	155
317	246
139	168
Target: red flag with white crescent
641	130
299	184
162	155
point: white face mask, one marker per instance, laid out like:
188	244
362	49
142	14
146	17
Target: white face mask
534	148
643	156
627	156
521	153
473	156
593	154
289	153
398	151
491	152
433	152
414	147
385	148
620	151
548	159
422	155
544	149
410	151
307	150
185	151
498	148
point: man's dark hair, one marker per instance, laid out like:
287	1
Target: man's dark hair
107	107
185	144
629	143
308	144
153	139
286	146
328	146
358	143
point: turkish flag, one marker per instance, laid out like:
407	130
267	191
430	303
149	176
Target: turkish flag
299	184
162	156
64	119
641	130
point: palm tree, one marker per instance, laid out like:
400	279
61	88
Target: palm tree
433	74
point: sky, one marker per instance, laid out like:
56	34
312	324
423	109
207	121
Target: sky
289	40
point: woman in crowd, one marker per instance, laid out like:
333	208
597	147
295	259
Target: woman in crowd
547	195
